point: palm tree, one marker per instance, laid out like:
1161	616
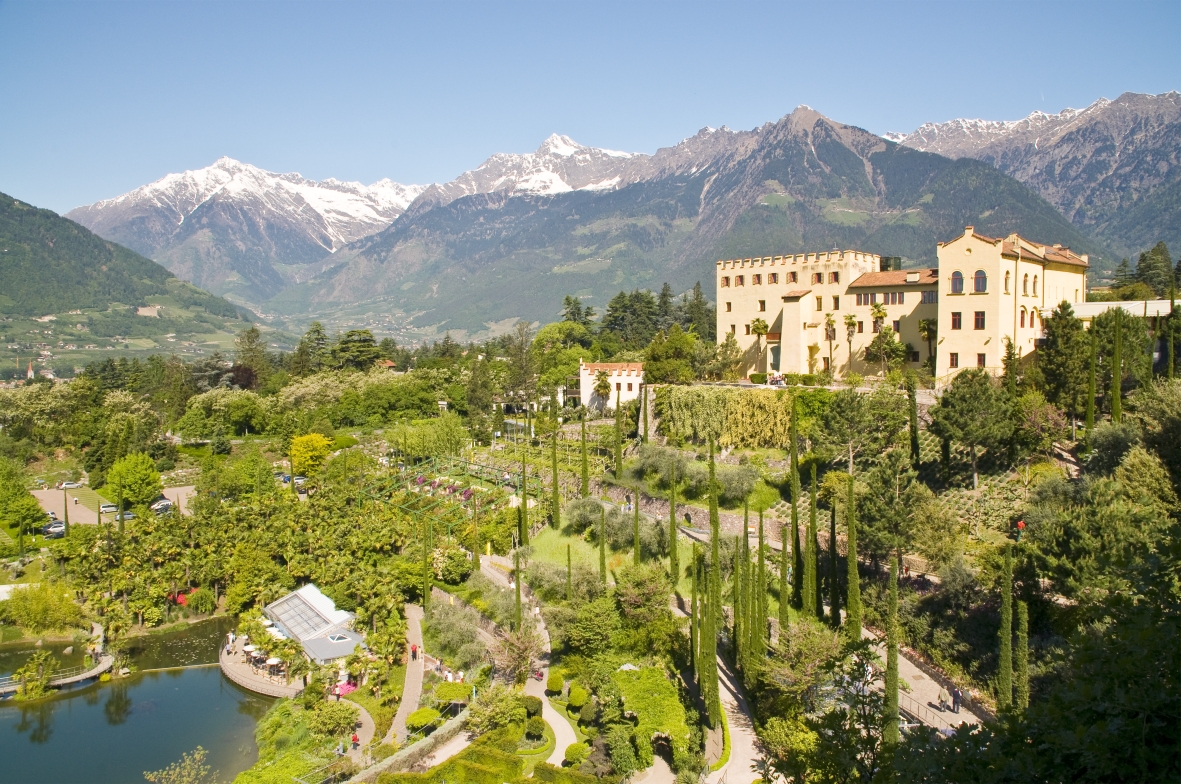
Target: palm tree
830	334
850	332
758	328
603	386
928	330
879	314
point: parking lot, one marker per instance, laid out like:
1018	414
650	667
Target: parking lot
84	502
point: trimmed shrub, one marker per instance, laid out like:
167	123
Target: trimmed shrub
535	727
576	754
447	693
578	696
532	705
758	378
423	717
554	683
333	718
589	712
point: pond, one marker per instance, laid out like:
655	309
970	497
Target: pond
113	732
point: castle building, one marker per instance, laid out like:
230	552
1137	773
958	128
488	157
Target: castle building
625	377
818	309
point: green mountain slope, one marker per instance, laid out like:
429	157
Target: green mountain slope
804	184
67	294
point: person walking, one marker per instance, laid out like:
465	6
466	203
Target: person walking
957	697
943	698
356	740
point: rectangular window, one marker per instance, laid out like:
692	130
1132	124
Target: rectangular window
727	307
726	281
826	367
819	303
739	280
748	329
873	299
927	297
773	277
629	387
860	327
979	319
897	326
817	277
793	277
617	386
979	360
877	326
756	280
953	360
914	356
902	298
858	299
891	298
733	329
834	277
836	303
762	304
956	320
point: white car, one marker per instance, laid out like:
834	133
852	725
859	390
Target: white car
161	506
71	485
108	509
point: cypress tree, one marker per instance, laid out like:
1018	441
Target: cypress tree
1172	323
618	437
556	498
636	532
912	396
1004	679
945	458
517	584
426	565
569	576
797	560
644	408
834	584
890	731
693	611
741	626
784	594
525	490
66	506
710	646
1022	655
761	596
1117	372
853	590
810	593
1091	386
585	489
674	557
603	545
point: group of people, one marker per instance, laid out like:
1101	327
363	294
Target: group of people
955	698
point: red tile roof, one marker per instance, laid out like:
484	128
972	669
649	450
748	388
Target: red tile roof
1015	246
796	293
927	277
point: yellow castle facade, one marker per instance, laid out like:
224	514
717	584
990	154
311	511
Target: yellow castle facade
819	308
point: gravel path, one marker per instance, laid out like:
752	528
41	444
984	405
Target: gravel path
412	690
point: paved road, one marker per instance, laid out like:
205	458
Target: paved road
412	690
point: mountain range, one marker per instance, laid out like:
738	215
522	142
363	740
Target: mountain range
508	239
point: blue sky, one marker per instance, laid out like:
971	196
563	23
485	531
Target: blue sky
98	98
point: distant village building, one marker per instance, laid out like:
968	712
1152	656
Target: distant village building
625	377
311	618
984	289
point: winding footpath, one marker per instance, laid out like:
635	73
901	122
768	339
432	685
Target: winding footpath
412	689
746	761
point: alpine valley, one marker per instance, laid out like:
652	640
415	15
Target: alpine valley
508	239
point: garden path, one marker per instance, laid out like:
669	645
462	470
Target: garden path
446	751
746	759
364	733
412	689
659	773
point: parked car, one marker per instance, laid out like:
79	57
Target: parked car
129	515
70	485
55	527
161	506
52	515
108	509
299	480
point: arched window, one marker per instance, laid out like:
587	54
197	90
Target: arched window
1033	319
957	282
1006	282
1025	285
1035	285
980	282
1023	317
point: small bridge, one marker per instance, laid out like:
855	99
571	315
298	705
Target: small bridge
10	683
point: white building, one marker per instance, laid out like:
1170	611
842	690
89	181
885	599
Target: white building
311	618
625	377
